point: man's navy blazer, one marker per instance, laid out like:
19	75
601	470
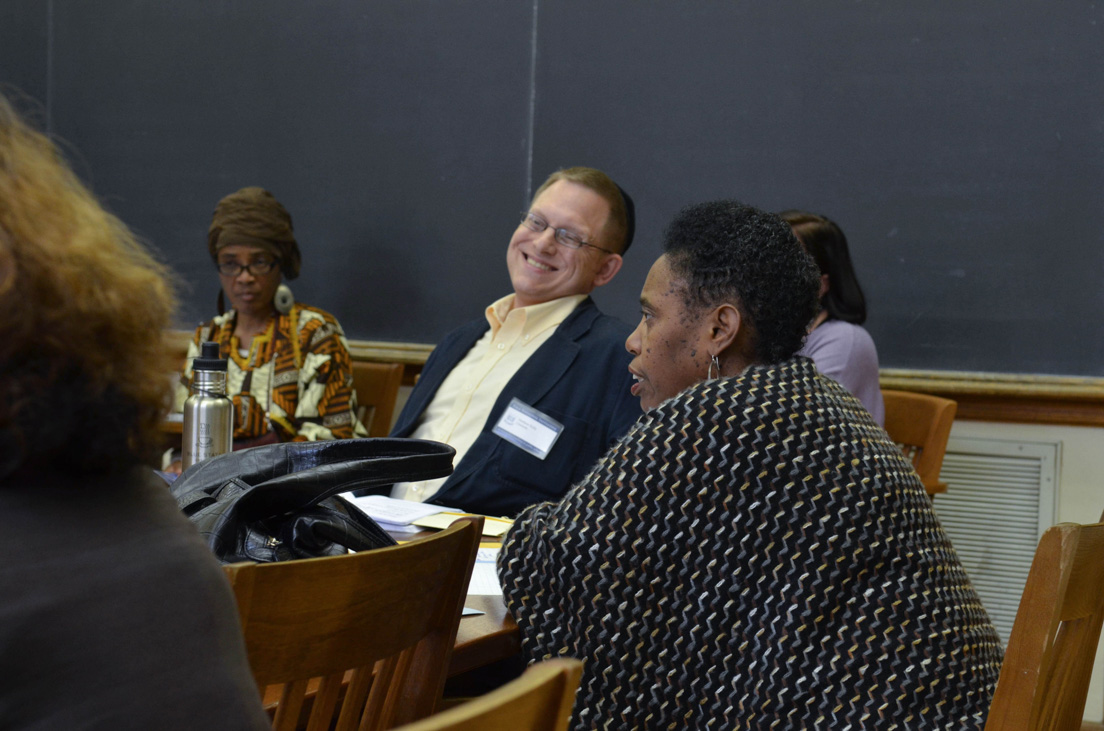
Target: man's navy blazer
579	377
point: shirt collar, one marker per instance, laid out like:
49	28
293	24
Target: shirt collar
534	318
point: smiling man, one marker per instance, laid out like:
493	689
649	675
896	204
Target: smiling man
533	392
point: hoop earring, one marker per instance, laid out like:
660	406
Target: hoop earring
284	299
714	362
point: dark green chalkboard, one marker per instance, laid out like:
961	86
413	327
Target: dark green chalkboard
959	145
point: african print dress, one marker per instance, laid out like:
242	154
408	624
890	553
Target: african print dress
754	554
295	379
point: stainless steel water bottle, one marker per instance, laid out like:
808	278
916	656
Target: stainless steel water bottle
208	413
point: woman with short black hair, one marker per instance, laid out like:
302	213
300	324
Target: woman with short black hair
755	553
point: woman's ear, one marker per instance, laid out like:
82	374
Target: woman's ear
724	326
823	286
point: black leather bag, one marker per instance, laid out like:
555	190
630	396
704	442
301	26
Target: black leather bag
279	502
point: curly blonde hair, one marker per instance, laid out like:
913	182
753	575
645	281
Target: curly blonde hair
84	369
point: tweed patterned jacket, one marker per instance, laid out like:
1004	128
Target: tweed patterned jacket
754	554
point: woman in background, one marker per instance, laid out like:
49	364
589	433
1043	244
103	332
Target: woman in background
841	348
113	612
289	373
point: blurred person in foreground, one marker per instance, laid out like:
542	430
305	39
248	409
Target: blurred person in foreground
756	552
113	612
288	368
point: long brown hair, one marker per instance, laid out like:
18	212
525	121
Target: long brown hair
825	242
84	370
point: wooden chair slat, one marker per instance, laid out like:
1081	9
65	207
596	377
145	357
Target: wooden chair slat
291	704
325	702
356	696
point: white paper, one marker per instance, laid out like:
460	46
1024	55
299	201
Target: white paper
399	528
390	510
484	578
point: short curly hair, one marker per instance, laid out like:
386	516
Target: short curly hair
84	369
730	252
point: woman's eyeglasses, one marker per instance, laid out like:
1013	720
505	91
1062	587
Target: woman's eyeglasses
257	267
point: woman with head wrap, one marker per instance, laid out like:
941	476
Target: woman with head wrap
289	373
113	612
756	553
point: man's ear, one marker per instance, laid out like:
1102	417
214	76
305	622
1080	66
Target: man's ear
725	324
608	269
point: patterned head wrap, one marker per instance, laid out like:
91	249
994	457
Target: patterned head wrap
253	217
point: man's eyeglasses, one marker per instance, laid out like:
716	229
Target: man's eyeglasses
257	267
563	237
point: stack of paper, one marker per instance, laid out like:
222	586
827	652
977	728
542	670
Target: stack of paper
484	579
407	516
492	527
394	516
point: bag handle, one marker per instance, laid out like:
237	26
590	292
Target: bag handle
294	475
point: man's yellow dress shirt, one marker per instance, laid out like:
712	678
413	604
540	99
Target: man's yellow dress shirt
460	407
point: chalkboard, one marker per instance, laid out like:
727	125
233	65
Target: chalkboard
960	146
24	56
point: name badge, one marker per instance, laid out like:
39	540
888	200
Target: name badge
525	427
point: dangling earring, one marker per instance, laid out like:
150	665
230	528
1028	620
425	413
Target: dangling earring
284	299
714	362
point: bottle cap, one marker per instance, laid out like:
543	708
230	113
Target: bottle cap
208	358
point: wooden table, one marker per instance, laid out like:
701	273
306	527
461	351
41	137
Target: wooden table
481	639
485	638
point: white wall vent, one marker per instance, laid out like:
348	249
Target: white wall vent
1000	498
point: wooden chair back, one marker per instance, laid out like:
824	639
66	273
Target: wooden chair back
540	700
1044	679
377	388
389	616
920	425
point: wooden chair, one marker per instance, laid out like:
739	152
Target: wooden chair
920	424
388	615
1045	676
377	388
540	700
